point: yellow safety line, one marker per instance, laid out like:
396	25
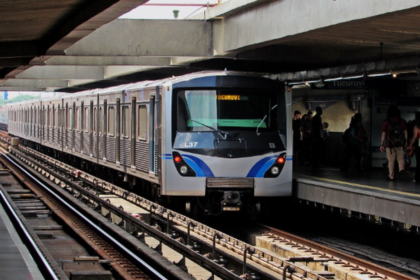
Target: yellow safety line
365	186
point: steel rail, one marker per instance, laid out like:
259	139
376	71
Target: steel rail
29	238
261	257
163	237
338	254
88	221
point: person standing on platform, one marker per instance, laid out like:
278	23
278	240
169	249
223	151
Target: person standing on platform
414	144
306	137
317	138
297	121
325	131
393	140
325	135
356	140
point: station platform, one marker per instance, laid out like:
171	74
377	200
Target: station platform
16	261
365	193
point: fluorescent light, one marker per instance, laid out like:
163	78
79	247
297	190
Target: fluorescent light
379	74
333	79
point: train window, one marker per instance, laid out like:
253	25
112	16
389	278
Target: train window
213	110
70	117
101	124
95	118
46	116
125	121
142	122
86	120
57	116
52	119
111	121
76	119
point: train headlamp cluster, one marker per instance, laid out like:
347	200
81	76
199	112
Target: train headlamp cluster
183	168
277	167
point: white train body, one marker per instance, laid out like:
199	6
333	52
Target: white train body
198	135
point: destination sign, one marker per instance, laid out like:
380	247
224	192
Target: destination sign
229	97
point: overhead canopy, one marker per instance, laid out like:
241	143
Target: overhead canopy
79	45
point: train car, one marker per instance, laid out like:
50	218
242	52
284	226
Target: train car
212	141
49	122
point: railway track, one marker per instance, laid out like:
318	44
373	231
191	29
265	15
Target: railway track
275	256
123	262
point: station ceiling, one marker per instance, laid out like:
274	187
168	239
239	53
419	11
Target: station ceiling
42	28
32	32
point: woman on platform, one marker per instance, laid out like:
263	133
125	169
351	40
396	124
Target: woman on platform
414	144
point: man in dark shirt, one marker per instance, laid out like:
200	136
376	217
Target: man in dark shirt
297	121
306	137
317	138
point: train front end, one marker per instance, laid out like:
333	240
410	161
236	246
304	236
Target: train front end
228	142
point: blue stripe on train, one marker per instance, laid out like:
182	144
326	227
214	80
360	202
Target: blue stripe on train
199	166
261	167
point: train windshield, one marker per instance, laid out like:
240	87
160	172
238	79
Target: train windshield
227	110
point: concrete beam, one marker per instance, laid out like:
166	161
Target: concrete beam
147	38
29	83
227	8
115	71
78	72
62	72
101	60
274	22
74	83
24	89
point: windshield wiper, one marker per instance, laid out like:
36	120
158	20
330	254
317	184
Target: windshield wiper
214	129
258	127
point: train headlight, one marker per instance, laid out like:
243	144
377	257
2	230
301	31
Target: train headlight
277	166
183	170
182	166
275	170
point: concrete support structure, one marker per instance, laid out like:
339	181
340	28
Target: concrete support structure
287	36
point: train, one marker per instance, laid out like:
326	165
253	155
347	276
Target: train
212	142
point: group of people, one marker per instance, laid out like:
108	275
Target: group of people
309	134
397	145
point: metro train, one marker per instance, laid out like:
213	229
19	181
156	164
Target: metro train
212	141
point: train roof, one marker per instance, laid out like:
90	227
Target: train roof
143	84
154	83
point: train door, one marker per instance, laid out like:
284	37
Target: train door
37	122
91	122
67	126
125	136
30	122
141	161
133	134
47	124
85	128
52	124
72	125
152	150
104	129
117	132
96	129
58	126
44	123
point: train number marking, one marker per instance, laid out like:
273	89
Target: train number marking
190	144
